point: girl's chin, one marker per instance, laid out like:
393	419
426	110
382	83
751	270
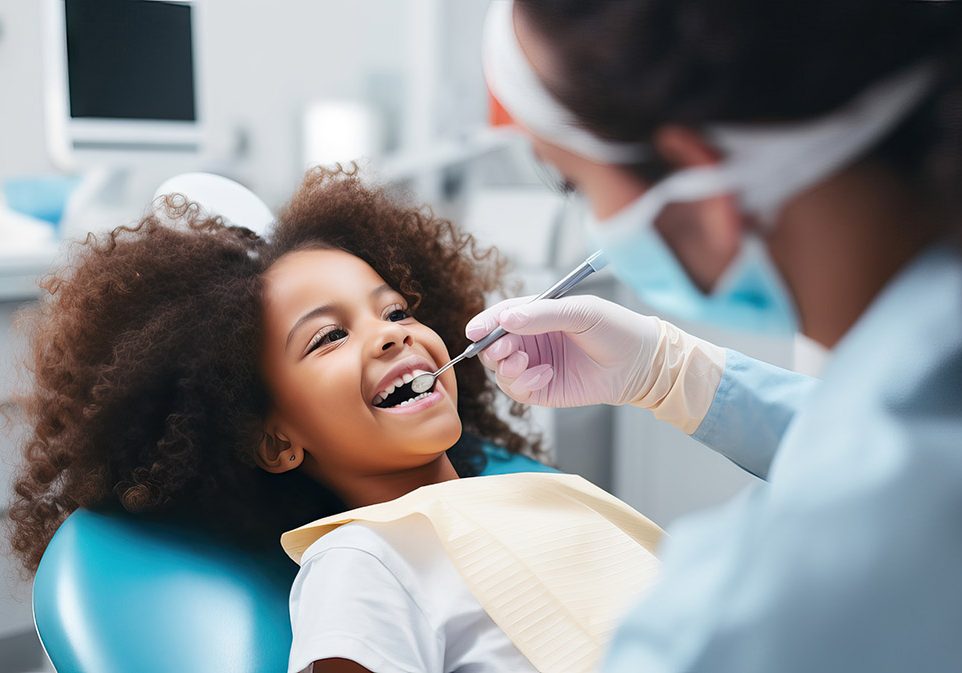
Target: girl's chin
430	439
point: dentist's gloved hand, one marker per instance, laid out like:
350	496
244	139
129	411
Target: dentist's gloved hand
569	352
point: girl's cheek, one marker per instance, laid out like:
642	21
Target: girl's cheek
436	347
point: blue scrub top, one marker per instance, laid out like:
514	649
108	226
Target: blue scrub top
849	558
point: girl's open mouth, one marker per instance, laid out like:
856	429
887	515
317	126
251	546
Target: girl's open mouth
403	399
414	404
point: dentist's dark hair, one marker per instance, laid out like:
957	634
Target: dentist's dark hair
625	68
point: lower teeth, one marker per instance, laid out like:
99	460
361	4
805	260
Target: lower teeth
414	399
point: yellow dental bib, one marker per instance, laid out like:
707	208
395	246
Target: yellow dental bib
554	560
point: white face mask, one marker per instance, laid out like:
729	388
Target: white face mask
764	167
750	295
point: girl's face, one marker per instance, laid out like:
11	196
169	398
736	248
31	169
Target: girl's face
337	339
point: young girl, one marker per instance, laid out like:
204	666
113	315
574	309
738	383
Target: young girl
195	371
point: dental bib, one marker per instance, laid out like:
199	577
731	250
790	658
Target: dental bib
554	560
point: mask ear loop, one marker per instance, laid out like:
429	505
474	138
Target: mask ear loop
764	167
685	186
776	162
767	166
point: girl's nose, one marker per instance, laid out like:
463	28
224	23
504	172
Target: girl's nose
391	337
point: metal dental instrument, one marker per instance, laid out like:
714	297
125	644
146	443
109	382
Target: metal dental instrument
596	262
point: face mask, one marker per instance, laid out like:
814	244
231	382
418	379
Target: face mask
763	168
749	296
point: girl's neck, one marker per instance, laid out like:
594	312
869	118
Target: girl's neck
370	489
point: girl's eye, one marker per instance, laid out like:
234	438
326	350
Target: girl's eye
324	338
398	314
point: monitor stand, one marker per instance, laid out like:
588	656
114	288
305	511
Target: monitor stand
99	203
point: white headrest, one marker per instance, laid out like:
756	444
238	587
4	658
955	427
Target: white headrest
221	196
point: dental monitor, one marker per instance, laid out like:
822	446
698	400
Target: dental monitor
122	81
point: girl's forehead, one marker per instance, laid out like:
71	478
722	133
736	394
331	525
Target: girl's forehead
321	275
324	266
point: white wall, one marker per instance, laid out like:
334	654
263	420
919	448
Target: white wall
21	118
15	613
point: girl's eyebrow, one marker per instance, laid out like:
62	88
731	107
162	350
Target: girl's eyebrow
320	310
381	289
313	313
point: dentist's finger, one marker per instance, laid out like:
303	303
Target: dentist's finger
505	385
514	365
484	323
499	350
487	362
503	347
531	381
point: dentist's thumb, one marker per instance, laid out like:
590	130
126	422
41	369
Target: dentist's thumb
485	322
573	315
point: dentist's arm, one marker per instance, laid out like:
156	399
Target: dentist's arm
578	351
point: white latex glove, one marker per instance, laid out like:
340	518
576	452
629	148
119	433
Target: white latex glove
568	352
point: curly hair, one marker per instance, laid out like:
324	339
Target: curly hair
146	393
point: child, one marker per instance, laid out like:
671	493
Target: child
198	372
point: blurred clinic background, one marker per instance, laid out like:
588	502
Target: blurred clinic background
102	100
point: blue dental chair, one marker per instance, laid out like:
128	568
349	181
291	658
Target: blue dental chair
117	594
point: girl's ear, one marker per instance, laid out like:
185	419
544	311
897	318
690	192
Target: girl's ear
276	453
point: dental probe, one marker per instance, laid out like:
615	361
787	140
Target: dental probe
596	262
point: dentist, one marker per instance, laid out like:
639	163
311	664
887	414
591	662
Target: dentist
771	167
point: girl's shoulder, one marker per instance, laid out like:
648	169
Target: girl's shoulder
358	597
408	549
392	587
400	544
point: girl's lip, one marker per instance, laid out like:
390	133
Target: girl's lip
424	403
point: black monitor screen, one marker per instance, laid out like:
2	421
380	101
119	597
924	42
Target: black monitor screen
130	59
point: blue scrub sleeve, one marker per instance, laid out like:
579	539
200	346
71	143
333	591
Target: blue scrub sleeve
754	404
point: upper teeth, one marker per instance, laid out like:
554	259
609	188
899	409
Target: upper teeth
406	377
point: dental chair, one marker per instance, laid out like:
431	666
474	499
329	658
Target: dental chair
118	594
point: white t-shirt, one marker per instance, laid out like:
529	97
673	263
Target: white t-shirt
388	597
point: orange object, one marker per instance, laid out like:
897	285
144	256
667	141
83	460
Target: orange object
497	115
